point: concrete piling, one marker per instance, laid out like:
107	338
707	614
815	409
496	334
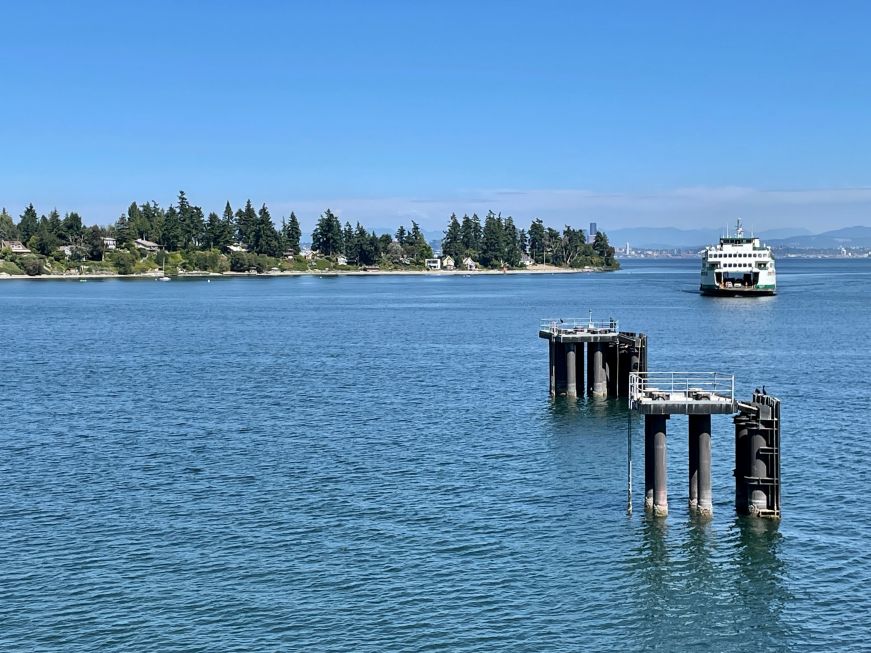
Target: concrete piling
571	370
660	464
597	381
648	463
700	464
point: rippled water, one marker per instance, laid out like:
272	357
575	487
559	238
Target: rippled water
373	464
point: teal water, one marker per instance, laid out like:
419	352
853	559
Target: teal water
373	464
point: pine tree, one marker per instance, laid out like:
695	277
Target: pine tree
293	234
511	251
400	235
537	238
28	224
327	236
245	221
452	243
348	243
72	229
492	240
8	230
265	238
171	232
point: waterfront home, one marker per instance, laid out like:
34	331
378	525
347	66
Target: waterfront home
341	260
16	246
433	264
448	263
526	261
469	264
109	243
238	247
147	245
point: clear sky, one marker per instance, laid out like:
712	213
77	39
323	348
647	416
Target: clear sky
683	114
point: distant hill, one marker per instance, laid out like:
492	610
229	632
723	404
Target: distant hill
672	238
847	237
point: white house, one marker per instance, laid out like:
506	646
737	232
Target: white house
109	243
448	262
433	264
469	264
147	245
341	260
526	261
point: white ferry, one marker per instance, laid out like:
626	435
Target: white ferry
738	266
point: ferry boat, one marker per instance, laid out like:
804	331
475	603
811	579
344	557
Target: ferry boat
739	266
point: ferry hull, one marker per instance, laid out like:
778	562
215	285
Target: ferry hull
736	292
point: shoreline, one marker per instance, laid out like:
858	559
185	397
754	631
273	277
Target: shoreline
539	269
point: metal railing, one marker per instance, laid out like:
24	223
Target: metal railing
679	387
578	324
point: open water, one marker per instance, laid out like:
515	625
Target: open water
373	464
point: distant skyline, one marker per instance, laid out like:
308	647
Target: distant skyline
626	114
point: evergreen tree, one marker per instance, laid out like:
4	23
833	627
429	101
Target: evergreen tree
400	235
214	228
511	251
327	236
153	218
492	242
8	230
28	224
229	221
416	245
477	233
72	229
264	237
171	234
123	237
293	234
452	243
136	220
522	241
350	246
245	221
55	224
44	241
537	240
93	241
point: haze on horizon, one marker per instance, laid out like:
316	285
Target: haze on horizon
628	115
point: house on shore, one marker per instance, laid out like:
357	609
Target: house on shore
146	245
433	264
448	263
16	246
526	261
469	264
109	244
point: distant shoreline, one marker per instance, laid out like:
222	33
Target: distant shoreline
537	269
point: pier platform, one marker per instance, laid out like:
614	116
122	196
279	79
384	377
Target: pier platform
611	355
659	395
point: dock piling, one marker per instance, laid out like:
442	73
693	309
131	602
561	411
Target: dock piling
571	370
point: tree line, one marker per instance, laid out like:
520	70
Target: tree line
500	243
185	227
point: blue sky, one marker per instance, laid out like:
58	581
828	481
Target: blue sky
682	114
